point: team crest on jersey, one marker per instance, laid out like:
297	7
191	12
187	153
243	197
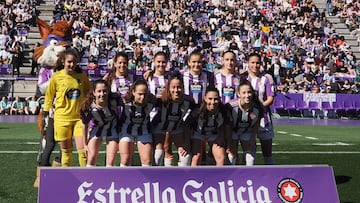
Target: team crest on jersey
290	191
236	81
252	116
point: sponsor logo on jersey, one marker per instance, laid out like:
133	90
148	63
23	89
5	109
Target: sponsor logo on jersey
73	94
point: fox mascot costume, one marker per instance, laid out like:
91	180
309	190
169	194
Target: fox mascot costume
55	40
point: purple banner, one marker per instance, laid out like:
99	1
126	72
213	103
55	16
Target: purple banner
187	185
318	97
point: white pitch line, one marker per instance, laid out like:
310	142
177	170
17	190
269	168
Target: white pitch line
259	152
332	144
282	132
343	144
315	152
296	135
312	138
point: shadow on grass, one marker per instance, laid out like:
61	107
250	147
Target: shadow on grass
342	179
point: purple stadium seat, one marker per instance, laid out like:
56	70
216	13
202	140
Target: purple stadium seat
339	108
350	109
23	32
337	105
279	107
84	61
313	105
111	54
316	109
5	69
326	105
290	106
303	107
328	110
102	61
348	105
357	105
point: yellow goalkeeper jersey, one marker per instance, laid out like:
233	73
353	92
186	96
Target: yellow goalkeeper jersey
69	91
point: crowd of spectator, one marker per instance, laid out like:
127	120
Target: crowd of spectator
16	18
21	106
299	46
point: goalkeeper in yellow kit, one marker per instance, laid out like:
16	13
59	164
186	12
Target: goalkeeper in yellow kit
68	87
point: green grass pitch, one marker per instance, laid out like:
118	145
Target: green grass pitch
337	146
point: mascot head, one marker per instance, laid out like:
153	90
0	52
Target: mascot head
54	41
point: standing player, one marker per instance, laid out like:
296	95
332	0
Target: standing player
195	79
211	124
264	86
172	118
195	82
68	86
246	115
119	76
99	114
135	121
157	80
226	80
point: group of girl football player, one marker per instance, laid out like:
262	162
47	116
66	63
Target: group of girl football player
190	109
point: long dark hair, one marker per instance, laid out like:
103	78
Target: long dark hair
112	72
129	96
203	112
166	95
255	98
69	51
90	98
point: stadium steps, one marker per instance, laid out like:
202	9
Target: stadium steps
45	13
27	87
24	88
340	28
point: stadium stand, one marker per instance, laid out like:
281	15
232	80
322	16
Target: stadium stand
292	36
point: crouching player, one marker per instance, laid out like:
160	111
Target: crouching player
99	113
246	115
135	120
211	124
172	118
